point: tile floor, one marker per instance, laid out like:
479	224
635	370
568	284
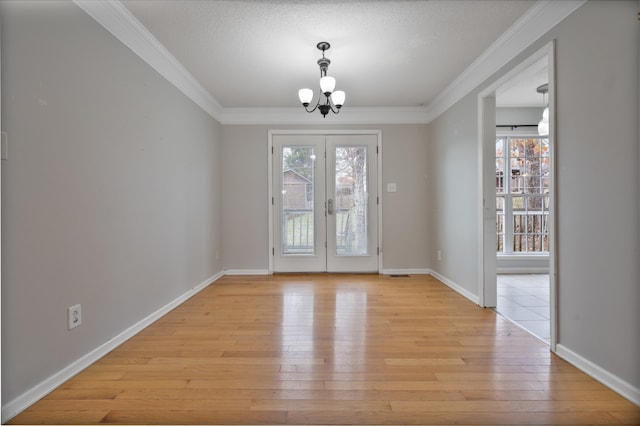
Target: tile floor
524	299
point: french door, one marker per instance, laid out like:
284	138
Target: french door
325	203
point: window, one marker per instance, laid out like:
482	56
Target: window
522	194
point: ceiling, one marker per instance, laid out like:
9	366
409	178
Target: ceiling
520	91
384	53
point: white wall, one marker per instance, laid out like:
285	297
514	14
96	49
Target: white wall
110	197
597	177
245	216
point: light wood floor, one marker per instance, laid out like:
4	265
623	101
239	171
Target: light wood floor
331	349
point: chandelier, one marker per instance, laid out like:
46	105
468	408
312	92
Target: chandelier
327	84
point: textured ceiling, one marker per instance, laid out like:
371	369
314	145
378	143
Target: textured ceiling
251	53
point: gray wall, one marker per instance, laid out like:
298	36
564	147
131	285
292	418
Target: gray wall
510	116
597	185
245	211
110	196
453	192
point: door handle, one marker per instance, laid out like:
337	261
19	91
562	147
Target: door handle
330	206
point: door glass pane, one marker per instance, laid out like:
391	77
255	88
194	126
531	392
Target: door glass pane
500	224
297	199
350	201
500	165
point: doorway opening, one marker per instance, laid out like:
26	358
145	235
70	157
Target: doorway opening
516	174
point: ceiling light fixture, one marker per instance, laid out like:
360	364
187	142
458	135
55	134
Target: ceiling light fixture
543	124
327	84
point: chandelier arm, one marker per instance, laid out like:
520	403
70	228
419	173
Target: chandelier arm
330	104
335	111
314	108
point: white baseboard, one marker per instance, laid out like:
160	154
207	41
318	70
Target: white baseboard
605	377
384	272
466	293
406	271
246	272
518	270
19	404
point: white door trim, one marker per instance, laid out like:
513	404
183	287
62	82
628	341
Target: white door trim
272	133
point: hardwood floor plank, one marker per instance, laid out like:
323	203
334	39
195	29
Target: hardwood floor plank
319	404
452	418
82	394
143	404
292	394
627	417
493	406
200	417
524	377
505	395
249	383
424	361
331	349
239	361
78	417
80	383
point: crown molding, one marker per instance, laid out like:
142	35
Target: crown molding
297	115
117	19
543	15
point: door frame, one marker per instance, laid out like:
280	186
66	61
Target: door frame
269	200
486	260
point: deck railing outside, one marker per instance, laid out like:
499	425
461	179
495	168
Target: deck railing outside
298	230
530	232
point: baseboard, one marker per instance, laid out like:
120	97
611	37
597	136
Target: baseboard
246	272
406	271
608	379
518	270
15	407
466	293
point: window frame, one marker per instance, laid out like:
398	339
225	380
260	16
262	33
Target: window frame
505	217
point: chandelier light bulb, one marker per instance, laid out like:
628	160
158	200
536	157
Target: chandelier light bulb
327	84
543	128
543	124
337	98
305	96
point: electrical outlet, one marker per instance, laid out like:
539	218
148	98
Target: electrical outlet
439	254
74	316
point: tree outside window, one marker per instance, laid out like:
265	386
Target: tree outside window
522	194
